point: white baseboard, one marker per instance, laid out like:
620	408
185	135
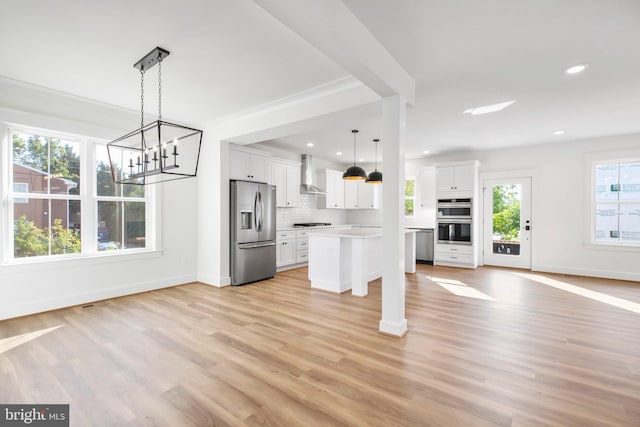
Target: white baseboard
218	282
393	328
48	304
604	274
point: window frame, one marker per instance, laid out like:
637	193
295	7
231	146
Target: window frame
592	160
87	196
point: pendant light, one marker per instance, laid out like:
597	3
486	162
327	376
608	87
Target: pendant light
375	177
158	151
354	172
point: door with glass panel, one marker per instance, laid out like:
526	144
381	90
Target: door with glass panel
507	222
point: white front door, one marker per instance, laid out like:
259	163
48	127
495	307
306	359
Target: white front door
507	222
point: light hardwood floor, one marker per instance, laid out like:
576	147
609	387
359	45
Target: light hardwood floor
278	353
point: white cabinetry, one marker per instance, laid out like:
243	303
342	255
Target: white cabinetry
302	246
285	248
360	195
247	165
286	177
368	195
331	181
460	178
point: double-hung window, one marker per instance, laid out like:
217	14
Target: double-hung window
44	200
62	200
120	209
615	207
409	196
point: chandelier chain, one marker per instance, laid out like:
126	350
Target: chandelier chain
141	98
160	87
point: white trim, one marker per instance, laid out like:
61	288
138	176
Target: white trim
216	282
86	297
605	274
397	329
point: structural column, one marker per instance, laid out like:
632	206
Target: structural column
393	153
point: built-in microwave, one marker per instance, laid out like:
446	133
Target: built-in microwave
454	208
456	231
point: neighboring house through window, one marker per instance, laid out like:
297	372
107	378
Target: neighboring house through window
615	206
49	197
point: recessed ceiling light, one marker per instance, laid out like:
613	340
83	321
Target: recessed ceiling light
309	144
576	69
426	151
558	132
361	160
486	109
339	153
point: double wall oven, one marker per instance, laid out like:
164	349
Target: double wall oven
455	224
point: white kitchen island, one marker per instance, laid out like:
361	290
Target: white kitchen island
340	260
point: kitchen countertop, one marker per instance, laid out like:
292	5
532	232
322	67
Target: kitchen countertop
320	227
357	233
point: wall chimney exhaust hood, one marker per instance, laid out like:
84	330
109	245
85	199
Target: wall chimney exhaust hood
307	186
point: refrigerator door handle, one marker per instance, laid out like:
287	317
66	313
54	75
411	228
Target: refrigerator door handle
255	212
261	245
261	210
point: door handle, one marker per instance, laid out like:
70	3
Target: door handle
262	245
255	212
259	195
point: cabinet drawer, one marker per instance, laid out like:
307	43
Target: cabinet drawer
455	249
281	235
302	256
302	244
301	233
453	258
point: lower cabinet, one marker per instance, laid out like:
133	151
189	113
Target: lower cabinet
302	246
285	248
455	255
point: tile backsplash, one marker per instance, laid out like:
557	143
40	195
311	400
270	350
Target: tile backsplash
307	211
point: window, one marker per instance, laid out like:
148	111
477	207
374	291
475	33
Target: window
47	170
120	208
49	197
409	196
616	203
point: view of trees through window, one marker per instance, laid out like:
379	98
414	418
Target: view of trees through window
47	218
506	212
46	200
409	196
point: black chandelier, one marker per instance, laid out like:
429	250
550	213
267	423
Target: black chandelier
159	151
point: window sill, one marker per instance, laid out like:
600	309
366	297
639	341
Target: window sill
612	247
40	264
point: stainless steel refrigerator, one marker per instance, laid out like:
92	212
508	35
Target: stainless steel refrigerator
253	231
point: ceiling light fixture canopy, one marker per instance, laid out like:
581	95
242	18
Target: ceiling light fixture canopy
159	151
354	173
375	177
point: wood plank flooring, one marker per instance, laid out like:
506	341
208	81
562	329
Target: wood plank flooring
280	354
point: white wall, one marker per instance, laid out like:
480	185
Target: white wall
35	287
560	208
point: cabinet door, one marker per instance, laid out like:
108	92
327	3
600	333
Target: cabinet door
368	195
338	185
445	178
351	194
286	252
427	193
464	177
292	185
279	179
239	165
258	168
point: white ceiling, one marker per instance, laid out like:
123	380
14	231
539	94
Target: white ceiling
228	56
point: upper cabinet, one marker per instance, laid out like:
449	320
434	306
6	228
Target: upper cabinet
457	179
248	166
286	177
360	195
331	181
347	194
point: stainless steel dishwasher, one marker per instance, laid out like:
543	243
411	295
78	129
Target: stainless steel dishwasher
424	246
